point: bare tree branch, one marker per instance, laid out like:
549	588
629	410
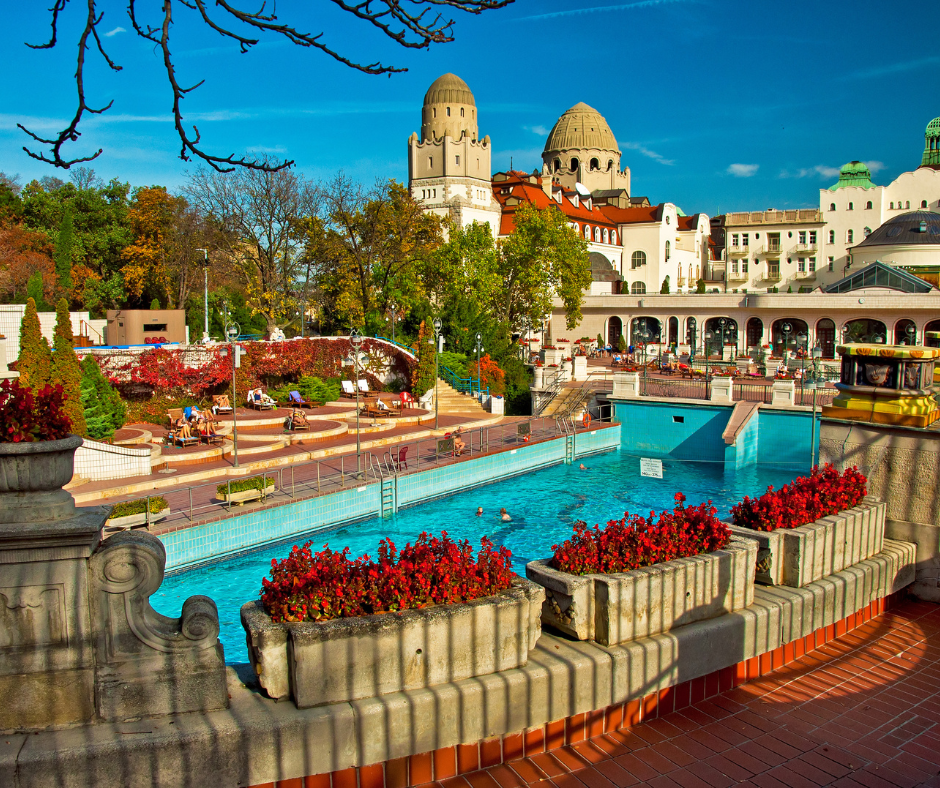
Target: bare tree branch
410	23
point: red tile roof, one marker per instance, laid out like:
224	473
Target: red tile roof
519	187
652	213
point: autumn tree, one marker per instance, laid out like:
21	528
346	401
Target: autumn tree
24	253
66	370
370	250
35	360
422	379
259	218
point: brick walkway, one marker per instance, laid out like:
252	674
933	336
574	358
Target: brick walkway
862	710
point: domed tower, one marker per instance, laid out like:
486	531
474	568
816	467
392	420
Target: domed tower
931	156
581	148
448	166
855	173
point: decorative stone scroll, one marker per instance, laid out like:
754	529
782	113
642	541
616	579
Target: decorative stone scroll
147	663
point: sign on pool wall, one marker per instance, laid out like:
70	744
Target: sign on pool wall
651	468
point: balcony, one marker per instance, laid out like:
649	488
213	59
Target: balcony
738	276
772	274
739	251
804	275
805	248
772	250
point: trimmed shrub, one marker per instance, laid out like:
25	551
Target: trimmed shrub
35	361
103	407
138	506
241	485
66	370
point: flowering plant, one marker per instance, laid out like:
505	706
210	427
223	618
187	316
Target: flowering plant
549	347
28	415
309	586
636	541
825	491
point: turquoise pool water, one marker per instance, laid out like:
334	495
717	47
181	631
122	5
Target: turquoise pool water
543	505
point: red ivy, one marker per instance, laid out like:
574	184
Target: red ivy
28	415
636	541
803	501
309	586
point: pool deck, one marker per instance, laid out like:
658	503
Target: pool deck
862	711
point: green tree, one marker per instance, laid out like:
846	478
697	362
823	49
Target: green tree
665	288
63	252
66	370
35	361
621	344
35	289
155	304
543	258
422	379
700	286
103	407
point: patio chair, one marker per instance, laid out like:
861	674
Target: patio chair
348	389
397	458
407	399
173	415
294	398
363	386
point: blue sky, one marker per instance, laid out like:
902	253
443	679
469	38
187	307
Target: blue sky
717	104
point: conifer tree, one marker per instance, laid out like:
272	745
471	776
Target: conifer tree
422	380
63	252
66	371
35	361
103	407
665	288
34	290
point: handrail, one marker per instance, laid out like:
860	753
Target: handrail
86	325
409	350
462	385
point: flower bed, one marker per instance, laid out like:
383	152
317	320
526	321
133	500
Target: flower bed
242	490
640	576
28	415
330	630
813	527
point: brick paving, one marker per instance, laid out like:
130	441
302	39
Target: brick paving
862	711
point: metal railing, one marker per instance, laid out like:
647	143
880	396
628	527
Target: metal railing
469	386
320	477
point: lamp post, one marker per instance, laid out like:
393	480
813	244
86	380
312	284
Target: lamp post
394	315
817	354
708	336
355	339
479	350
205	275
437	343
911	332
786	328
721	350
232	330
802	339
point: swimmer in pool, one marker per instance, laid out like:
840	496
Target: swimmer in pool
581	467
480	511
504	516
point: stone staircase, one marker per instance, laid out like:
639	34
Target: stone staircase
451	401
568	401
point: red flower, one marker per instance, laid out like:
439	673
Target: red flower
28	415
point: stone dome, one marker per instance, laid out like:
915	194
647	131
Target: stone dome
449	110
931	157
933	128
905	230
581	128
449	89
855	173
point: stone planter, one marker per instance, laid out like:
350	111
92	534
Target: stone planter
580	368
248	495
539	377
351	658
31	479
618	608
796	557
551	356
133	520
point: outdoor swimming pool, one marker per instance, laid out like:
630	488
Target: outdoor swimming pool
543	505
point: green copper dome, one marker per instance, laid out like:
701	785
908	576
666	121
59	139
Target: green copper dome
853	174
932	145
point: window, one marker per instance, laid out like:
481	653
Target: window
891	205
802	236
923	203
461	112
606	236
638	259
457	158
434	193
812	265
575	164
434	112
557	164
868	205
867	231
595	164
613	237
801	265
831	262
773	270
744	240
734	266
744	266
812	237
448	112
851	206
832	236
155	327
638	288
850	237
668	247
907	204
597	235
430	161
832	206
577	227
734	239
587	232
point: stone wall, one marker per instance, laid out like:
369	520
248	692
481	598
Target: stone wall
902	465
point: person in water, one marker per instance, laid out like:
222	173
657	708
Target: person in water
479	511
504	515
581	467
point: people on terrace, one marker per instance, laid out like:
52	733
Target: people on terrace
459	444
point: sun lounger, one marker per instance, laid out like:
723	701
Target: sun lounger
348	389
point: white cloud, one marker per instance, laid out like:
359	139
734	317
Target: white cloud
893	68
874	166
743	170
114	32
601	8
540	130
819	171
647	152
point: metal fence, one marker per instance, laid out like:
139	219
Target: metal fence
320	477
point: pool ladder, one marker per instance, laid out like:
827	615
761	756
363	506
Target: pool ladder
389	496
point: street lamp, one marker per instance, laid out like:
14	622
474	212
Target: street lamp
394	310
232	330
814	384
355	339
437	343
911	332
721	350
545	319
786	328
205	274
479	350
802	339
